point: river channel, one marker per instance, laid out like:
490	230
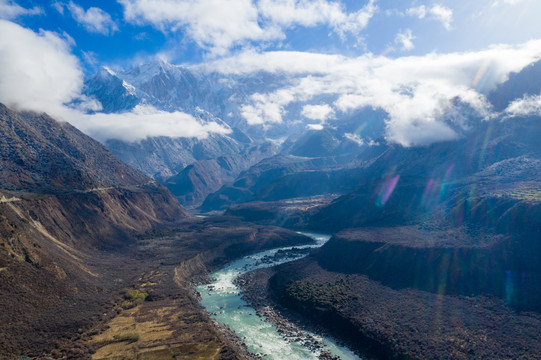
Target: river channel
223	300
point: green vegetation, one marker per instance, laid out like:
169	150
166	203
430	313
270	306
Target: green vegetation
133	298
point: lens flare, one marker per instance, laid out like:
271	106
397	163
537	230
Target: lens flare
387	190
480	75
445	182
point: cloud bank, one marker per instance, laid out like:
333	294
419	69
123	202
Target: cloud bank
218	28
39	73
142	122
418	92
37	70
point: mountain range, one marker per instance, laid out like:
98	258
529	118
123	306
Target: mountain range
214	171
76	215
342	175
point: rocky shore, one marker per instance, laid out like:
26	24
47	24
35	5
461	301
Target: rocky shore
289	325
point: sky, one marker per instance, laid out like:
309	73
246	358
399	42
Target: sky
124	32
431	51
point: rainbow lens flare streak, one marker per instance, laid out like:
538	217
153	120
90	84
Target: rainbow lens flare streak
387	190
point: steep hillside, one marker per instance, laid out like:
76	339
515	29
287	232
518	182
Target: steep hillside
164	157
315	163
499	159
41	155
199	179
63	199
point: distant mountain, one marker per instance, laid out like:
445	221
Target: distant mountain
163	157
318	162
205	96
499	159
178	88
518	85
196	181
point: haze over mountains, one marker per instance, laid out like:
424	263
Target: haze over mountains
345	142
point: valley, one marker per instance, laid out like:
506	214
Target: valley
260	201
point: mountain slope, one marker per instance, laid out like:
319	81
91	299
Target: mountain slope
496	159
523	83
199	179
63	198
207	97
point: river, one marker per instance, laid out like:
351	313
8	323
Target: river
223	300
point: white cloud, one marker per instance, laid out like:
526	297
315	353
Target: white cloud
437	12
507	2
317	112
37	70
289	13
267	108
38	73
405	39
10	10
528	105
209	23
218	28
355	138
93	19
142	122
317	127
416	92
443	14
419	11
58	7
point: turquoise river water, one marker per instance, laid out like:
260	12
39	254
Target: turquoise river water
222	299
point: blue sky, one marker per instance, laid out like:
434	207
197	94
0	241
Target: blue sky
412	58
393	28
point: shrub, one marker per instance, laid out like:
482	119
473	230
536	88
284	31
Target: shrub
133	298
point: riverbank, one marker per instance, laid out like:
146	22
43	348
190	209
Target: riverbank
275	339
156	313
393	323
254	286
